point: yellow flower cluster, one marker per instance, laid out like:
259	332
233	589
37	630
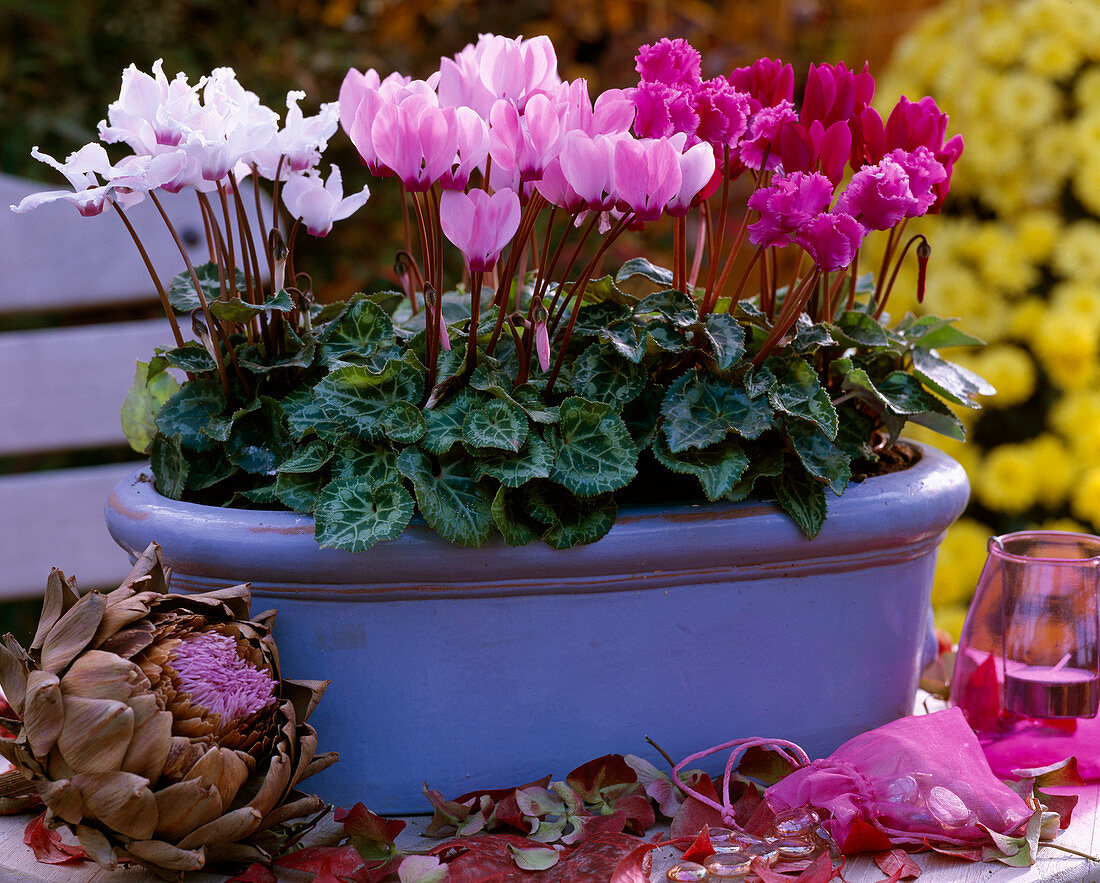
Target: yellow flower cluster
1015	255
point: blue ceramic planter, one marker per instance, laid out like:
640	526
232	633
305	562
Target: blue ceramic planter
489	667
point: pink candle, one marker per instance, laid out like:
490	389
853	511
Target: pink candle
1052	691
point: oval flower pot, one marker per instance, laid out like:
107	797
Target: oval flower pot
490	667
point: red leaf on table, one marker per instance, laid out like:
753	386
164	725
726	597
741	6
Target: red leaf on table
693	814
487	857
821	871
361	822
47	844
609	824
968	853
863	837
636	866
897	862
343	861
700	848
254	873
590	778
637	811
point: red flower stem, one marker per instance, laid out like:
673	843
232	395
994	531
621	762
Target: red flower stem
407	281
544	255
260	221
222	255
585	233
232	272
700	247
897	267
854	279
886	255
475	313
207	229
211	326
744	279
161	293
679	243
788	315
577	293
425	242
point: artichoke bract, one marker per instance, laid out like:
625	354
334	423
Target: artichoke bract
156	726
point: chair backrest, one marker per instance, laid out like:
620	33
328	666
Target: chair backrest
77	309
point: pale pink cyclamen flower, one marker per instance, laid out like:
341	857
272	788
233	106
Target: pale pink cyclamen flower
788	205
612	113
362	95
587	164
556	190
318	203
518	69
479	225
152	113
542	344
521	145
646	175
472	141
832	239
697	168
417	140
125	183
301	140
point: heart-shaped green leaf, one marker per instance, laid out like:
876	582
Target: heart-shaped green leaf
237	310
727	337
601	374
354	516
443	423
147	394
188	411
455	506
495	424
700	409
593	451
308	457
798	392
357	397
373	461
259	440
717	467
360	330
534	460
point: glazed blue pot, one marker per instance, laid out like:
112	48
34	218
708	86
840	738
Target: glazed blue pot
490	667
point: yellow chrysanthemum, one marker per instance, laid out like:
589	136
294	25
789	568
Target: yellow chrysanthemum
1024	318
1086	498
1007	480
1086	181
1036	233
1051	55
1011	371
1068	525
1086	91
1077	255
1078	299
1076	417
1056	466
960	562
1067	347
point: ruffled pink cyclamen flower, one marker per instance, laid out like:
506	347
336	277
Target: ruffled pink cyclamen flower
318	203
672	62
832	240
879	196
787	206
479	225
760	147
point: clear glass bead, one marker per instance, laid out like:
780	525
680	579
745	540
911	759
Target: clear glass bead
795	822
947	807
764	850
728	865
794	848
686	872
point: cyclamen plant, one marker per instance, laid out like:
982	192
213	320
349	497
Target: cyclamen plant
534	395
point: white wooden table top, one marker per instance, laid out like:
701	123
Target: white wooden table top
17	863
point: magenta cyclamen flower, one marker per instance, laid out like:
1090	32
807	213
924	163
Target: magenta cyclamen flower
924	172
672	62
723	113
663	111
479	225
760	147
766	81
834	93
787	206
832	239
879	196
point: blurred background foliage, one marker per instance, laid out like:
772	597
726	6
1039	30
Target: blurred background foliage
1016	253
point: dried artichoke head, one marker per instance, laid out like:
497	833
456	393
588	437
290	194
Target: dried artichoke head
156	726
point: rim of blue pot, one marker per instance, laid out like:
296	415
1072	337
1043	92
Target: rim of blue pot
900	514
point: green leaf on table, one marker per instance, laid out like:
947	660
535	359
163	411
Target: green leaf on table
533	460
718	467
186	413
358	398
191	357
820	454
700	409
299	491
954	382
181	290
455	506
307	457
727	337
497	424
534	858
802	497
170	466
361	330
1016	852
641	267
601	374
147	395
798	392
592	448
371	461
260	439
443	423
353	515
237	310
511	518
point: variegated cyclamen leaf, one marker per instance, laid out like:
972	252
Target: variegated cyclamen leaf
642	267
298	491
717	467
237	310
354	516
726	337
443	423
512	520
672	305
798	392
455	506
149	391
307	457
593	450
854	328
820	455
699	410
954	382
188	411
601	374
169	465
191	357
403	422
181	290
360	330
533	460
568	520
357	397
260	439
802	497
304	414
497	424
375	461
